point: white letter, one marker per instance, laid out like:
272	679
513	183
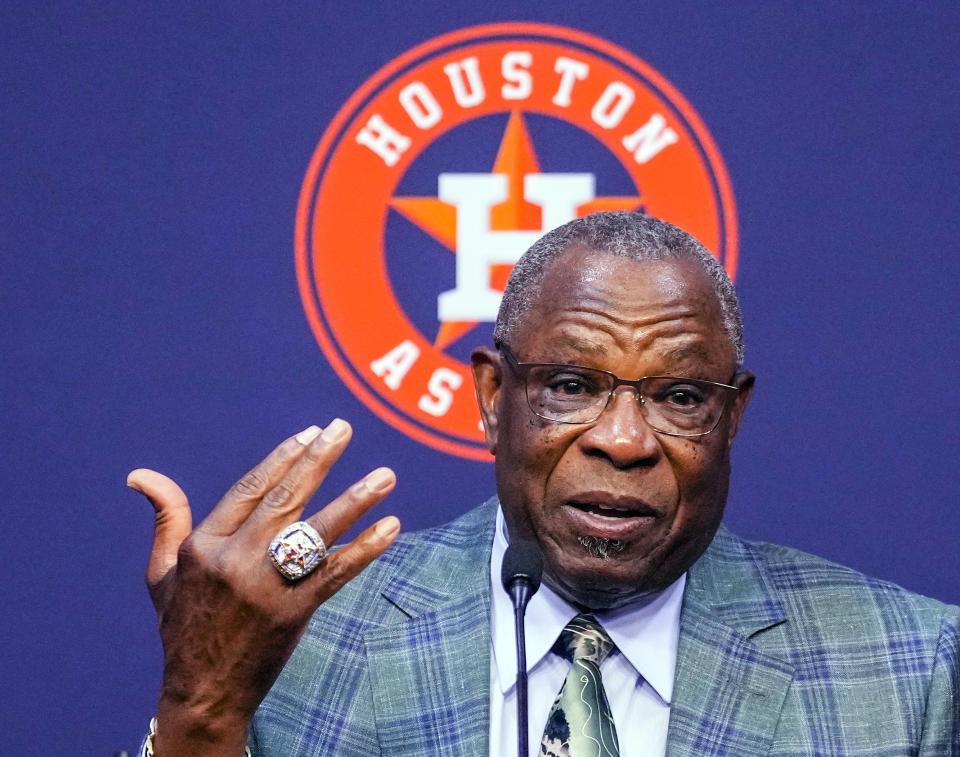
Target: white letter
440	385
383	139
455	71
513	66
612	105
420	104
650	138
478	247
393	366
558	194
570	70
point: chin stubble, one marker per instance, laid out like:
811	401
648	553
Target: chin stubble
601	547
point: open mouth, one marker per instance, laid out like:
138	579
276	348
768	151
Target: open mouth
612	509
603	516
606	511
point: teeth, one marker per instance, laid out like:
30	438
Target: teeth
608	512
607	517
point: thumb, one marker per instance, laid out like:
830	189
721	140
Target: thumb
172	519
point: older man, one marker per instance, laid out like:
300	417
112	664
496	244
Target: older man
611	400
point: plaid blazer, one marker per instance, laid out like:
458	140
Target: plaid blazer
780	653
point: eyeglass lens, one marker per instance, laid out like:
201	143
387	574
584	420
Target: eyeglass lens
574	394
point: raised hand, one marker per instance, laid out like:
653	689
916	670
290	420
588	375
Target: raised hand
228	619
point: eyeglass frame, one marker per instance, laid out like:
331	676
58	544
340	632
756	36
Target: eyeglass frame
523	370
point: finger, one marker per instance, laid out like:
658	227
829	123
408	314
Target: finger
172	519
244	496
285	501
339	515
346	563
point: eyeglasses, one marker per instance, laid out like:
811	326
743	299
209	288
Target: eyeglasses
671	405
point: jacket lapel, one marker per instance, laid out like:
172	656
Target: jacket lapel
431	674
728	691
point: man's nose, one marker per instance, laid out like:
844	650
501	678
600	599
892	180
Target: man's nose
622	433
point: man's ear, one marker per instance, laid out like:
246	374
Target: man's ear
488	378
744	382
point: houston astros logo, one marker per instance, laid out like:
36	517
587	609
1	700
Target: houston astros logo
444	166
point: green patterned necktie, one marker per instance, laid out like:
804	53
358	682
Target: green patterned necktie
580	723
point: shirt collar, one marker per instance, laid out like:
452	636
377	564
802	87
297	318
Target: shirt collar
645	634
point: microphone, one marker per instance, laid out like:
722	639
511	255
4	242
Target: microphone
520	575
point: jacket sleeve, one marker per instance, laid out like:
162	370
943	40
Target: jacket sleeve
941	724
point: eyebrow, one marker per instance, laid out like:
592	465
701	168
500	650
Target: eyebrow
677	354
590	348
695	350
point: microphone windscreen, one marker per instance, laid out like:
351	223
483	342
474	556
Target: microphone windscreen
522	562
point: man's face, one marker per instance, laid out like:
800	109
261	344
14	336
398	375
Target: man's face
615	480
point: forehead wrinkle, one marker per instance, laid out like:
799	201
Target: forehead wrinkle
665	327
634	319
596	333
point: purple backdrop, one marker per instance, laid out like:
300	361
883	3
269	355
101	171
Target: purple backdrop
153	158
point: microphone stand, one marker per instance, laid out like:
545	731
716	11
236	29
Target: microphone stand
520	591
520	575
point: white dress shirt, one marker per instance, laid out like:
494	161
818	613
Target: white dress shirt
638	678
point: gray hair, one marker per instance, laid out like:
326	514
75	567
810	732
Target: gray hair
628	234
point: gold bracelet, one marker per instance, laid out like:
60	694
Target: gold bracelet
148	744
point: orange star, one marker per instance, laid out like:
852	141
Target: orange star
516	158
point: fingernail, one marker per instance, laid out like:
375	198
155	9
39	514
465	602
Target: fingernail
387	527
308	435
380	479
131	483
335	431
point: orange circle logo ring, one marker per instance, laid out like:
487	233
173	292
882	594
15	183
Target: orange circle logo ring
515	72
